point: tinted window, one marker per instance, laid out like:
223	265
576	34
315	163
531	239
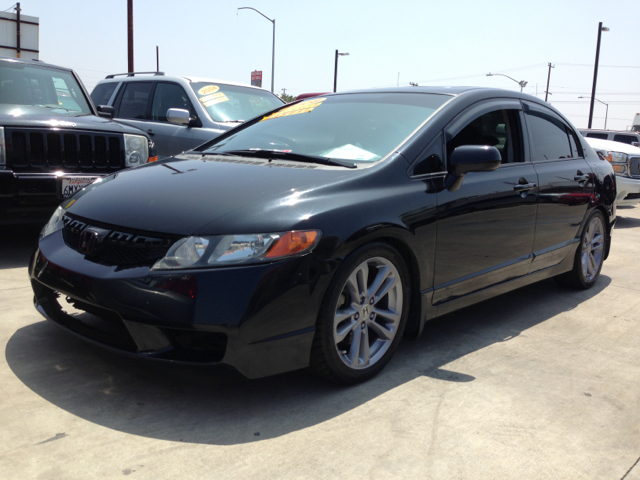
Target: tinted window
134	100
431	161
500	129
549	134
102	93
625	139
601	136
166	96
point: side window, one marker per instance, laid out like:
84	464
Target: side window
166	96
625	139
134	100
500	129
550	136
431	159
102	93
601	136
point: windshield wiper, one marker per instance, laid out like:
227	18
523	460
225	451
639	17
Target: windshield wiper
279	155
52	106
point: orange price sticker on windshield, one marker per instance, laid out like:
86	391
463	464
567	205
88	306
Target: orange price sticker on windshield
303	107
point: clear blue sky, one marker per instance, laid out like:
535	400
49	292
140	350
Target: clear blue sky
431	43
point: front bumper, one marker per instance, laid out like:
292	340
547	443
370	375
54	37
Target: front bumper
628	191
30	197
258	319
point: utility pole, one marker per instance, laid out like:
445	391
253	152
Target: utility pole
18	30
546	93
130	33
595	71
157	59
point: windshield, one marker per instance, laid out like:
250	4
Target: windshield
232	103
362	127
53	91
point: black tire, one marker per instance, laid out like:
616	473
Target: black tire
328	359
577	278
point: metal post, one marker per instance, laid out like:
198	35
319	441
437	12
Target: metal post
157	59
595	75
605	116
18	30
273	54
130	33
546	93
335	74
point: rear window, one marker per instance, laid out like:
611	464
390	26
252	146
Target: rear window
102	93
626	139
233	103
601	136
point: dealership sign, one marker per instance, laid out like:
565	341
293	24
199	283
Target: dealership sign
256	78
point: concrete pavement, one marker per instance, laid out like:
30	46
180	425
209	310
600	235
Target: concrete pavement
539	383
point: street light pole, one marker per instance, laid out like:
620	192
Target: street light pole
335	72
606	115
595	71
522	83
273	45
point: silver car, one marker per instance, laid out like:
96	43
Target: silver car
179	113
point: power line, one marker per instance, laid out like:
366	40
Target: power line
600	66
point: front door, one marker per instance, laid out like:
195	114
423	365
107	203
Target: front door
486	228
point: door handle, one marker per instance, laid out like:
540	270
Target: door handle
581	177
151	132
523	187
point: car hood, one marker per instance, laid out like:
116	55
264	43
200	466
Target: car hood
27	116
613	146
185	196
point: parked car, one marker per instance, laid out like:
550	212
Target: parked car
52	141
625	136
320	234
180	113
626	164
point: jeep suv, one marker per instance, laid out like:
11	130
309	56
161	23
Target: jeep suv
625	136
53	142
180	113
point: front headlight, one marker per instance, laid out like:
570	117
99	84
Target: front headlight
136	150
618	157
54	224
195	252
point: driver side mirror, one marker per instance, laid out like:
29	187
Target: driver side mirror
178	116
106	111
470	158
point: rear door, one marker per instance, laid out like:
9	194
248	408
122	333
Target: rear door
170	139
486	228
566	184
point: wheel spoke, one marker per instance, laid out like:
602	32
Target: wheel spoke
593	266
596	239
352	289
384	289
381	276
365	353
343	330
390	316
363	277
382	331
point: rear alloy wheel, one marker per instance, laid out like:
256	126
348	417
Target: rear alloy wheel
363	316
590	255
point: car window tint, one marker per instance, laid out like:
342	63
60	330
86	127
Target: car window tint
499	129
601	136
166	96
102	93
550	135
625	139
134	100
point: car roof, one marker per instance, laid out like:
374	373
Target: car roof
161	76
38	63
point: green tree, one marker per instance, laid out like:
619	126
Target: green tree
286	97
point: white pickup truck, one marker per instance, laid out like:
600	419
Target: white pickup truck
626	163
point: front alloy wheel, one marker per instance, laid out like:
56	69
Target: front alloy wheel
363	316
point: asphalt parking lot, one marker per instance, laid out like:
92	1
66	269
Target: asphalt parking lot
539	383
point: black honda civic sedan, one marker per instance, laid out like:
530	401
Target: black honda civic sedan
320	234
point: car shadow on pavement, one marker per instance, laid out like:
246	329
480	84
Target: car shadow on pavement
16	245
626	222
212	406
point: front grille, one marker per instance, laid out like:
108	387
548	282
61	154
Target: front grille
122	248
634	166
75	151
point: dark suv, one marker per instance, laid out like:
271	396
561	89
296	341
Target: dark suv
52	140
